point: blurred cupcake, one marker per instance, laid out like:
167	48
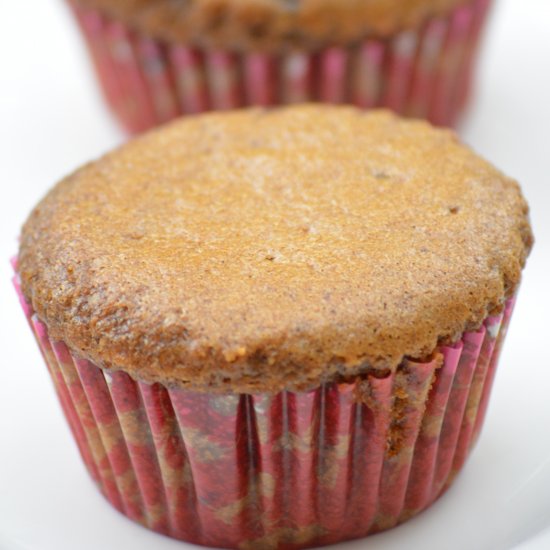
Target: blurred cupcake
158	59
276	329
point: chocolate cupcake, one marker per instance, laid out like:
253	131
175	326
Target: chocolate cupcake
276	329
157	59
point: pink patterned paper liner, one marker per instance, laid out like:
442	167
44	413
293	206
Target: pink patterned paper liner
291	470
425	73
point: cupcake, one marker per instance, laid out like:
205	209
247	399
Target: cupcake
157	59
276	328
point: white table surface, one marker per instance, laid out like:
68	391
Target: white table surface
52	119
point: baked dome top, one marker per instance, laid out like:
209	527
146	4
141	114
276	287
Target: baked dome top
264	249
271	24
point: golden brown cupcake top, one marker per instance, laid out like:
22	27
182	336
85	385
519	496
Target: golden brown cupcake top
258	250
271	24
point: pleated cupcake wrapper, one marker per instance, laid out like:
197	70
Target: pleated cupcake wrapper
424	73
290	470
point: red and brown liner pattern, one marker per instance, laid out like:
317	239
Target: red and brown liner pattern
290	470
424	73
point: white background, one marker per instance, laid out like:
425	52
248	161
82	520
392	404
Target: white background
52	119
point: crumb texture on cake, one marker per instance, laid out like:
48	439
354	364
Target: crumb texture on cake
265	249
271	24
